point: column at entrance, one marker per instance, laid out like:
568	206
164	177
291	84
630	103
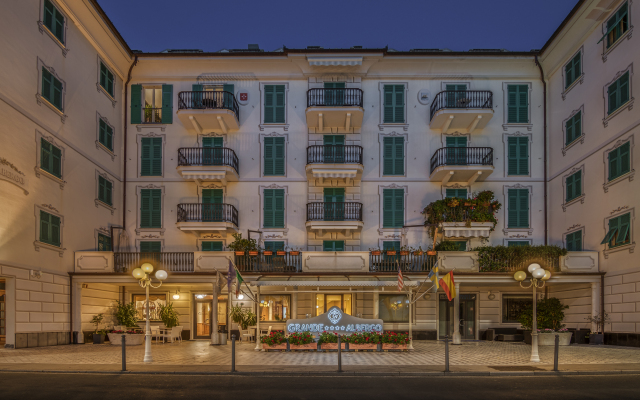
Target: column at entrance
456	316
215	336
594	305
258	344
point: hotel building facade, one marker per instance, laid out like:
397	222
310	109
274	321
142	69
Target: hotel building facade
115	157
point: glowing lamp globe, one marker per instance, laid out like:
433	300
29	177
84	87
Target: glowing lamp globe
520	276
176	296
161	274
547	275
533	267
240	297
146	267
138	273
538	273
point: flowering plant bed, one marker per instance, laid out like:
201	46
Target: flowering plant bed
274	339
308	346
300	338
282	346
389	346
294	253
329	337
362	338
332	346
131	338
281	253
395	338
268	253
356	347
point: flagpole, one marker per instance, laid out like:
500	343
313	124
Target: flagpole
410	347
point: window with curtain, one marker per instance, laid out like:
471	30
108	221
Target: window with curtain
275	307
513	305
393	308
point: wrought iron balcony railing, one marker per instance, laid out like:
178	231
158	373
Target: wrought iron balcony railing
208	100
204	156
334	154
461	99
169	261
207	212
324	211
462	156
334	97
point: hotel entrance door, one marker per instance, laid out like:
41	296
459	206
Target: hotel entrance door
203	315
467	315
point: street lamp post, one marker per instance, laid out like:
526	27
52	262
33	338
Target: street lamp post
143	275
538	278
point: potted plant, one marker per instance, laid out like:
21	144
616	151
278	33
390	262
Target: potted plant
418	252
274	341
240	246
375	251
98	335
169	317
599	321
268	253
363	341
404	251
132	337
295	251
127	315
394	341
281	253
243	317
329	341
302	341
549	316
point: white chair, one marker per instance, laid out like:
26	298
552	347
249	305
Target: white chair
180	337
174	334
267	333
245	333
155	332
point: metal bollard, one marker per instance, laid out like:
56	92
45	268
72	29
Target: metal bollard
446	353
124	353
555	354
233	353
339	355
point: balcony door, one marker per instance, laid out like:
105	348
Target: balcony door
212	205
456	96
212	150
333	149
334	98
334	204
457	150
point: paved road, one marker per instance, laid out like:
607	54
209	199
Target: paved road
157	387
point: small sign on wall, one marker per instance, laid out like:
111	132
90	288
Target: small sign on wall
243	97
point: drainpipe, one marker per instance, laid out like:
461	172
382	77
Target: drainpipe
544	96
124	181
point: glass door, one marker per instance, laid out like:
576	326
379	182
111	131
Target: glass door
212	205
202	317
467	315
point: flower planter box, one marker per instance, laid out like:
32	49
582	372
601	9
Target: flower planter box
332	346
268	253
391	253
418	253
404	253
281	346
432	253
239	253
253	253
392	346
132	339
596	338
98	338
376	253
549	339
294	253
281	253
308	346
356	347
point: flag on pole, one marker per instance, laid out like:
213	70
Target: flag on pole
231	273
400	278
239	281
433	276
448	285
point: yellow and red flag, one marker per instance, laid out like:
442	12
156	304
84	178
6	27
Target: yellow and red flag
448	285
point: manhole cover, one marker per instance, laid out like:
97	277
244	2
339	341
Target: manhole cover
516	368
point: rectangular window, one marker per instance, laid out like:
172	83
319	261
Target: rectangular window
152	104
394	104
456	93
513	306
393	208
151	154
334	97
273	208
106	79
150	247
49	228
462	245
50	158
105	135
393	308
275	307
619	232
274	107
212	246
155	300
333	150
334	206
573	128
574	241
517	243
105	188
518	156
572	70
518	208
459	193
51	89
618	92
274	162
333	245
151	208
393	156
274	246
325	301
54	20
617	25
573	185
104	242
518	104
619	161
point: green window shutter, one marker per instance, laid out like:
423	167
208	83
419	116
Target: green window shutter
212	246
274	104
462	245
572	70
518	156
336	140
334	195
228	88
574	241
624	222
518	104
274	160
136	104
391	245
460	193
625	163
460	141
56	164
393	208
51	89
167	104
393	154
388	104
228	96
613	163
212	142
50	158
274	246
45	227
518	208
105	136
393	104
274	208
150	208
198	88
279	106
104	242
151	154
57	93
623	89
574	186
517	243
55	230
333	245
150	247
613	228
612	92
569	188
619	161
54	20
104	191
212	196
573	128
106	79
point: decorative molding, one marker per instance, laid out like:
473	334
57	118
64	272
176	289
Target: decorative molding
444	136
505	101
164	155
505	155
574	226
37	243
200	138
628	104
152	126
13	175
382	124
381	137
104	230
393	236
43	29
606	51
149	236
622	208
49	207
212	236
579	199
138	206
40	98
605	155
137	241
519	238
99	203
579	139
273	236
99	145
579	79
284	126
463	185
506	230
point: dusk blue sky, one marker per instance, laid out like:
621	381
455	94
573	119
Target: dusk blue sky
212	25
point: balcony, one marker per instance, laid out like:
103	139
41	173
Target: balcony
461	164
336	110
269	261
334	162
341	216
207	217
461	110
209	111
209	164
409	261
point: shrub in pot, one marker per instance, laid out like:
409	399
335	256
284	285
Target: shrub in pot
329	341
395	341
126	314
302	341
549	317
363	341
169	317
274	341
599	320
98	335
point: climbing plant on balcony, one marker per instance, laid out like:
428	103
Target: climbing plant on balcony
482	207
505	259
240	244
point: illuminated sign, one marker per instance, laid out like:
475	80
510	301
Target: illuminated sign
334	320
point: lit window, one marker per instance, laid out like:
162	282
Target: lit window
275	307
